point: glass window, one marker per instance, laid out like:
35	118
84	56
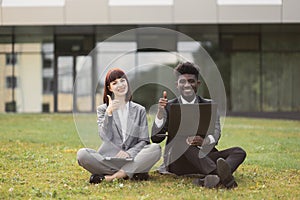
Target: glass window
74	44
117	46
279	81
48	85
281	41
84	74
116	54
47	47
103	33
153	69
11	59
47	62
65	74
188	46
10	106
245	81
48	68
11	82
240	42
45	107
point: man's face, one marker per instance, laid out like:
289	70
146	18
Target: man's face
187	85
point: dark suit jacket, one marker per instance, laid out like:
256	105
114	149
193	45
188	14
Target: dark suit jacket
110	131
159	134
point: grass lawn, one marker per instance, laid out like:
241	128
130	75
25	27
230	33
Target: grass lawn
38	160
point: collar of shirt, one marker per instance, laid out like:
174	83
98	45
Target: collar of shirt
186	102
123	113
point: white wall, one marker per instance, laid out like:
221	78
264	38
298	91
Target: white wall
141	14
29	91
195	11
291	11
86	12
1	15
249	14
78	12
32	15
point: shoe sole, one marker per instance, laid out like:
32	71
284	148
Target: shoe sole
211	181
224	172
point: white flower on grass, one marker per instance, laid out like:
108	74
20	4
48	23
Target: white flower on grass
11	189
121	185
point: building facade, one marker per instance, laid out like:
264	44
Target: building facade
255	44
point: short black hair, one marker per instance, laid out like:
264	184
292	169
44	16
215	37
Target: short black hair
186	68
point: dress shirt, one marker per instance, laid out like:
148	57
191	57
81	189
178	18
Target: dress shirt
123	115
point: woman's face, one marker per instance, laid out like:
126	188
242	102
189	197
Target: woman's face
119	87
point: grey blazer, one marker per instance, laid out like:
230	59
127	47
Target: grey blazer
109	128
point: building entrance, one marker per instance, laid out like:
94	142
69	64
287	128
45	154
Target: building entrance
71	58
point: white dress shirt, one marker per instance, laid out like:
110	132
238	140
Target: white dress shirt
123	115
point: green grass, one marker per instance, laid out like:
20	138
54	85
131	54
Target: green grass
38	161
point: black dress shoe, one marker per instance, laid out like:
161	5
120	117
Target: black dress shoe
209	181
224	171
96	178
140	177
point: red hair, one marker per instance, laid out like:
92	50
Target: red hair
112	75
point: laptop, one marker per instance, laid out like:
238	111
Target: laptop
118	161
191	120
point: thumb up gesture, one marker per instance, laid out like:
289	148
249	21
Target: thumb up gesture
161	105
112	105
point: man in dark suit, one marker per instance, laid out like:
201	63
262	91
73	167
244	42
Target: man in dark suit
217	166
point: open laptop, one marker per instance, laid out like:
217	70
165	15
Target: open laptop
191	120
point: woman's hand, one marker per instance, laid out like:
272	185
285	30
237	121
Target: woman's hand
122	154
112	105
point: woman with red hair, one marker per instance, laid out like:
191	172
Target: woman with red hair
122	124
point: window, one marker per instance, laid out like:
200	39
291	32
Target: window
48	66
11	82
45	107
48	60
11	59
48	85
47	63
10	106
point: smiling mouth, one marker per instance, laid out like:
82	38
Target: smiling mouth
187	90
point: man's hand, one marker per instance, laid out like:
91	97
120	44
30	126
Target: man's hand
195	140
122	154
161	105
112	105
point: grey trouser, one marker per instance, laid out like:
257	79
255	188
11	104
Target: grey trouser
94	162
